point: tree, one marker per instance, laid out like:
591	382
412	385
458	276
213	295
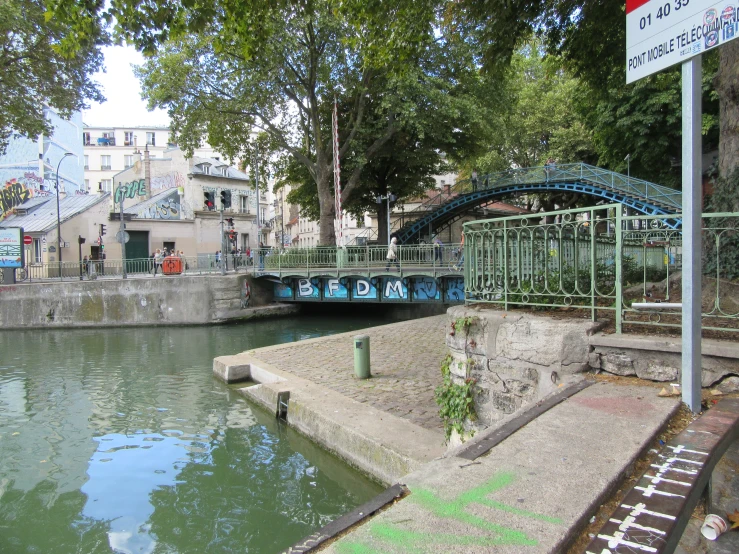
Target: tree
36	70
535	117
439	120
225	68
590	36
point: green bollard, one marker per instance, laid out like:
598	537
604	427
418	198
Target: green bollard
362	357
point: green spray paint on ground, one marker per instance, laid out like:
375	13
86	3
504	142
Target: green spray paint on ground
413	542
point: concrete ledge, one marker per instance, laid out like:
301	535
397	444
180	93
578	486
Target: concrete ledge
377	443
531	493
709	347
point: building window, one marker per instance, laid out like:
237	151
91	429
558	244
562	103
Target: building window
128	161
128	138
86	139
150	140
105	163
37	251
244	204
106	185
87	162
206	169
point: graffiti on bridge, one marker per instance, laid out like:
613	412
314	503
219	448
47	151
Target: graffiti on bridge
454	510
371	289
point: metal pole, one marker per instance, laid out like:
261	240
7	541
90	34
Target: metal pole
282	217
388	218
223	250
256	188
58	214
692	208
79	244
123	240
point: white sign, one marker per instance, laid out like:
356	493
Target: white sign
661	33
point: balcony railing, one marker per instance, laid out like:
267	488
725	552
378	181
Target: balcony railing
105	168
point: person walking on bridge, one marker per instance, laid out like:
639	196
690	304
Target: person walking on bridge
392	254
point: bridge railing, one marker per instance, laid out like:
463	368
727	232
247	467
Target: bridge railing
135	267
596	259
408	257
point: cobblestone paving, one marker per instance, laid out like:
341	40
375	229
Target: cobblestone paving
405	359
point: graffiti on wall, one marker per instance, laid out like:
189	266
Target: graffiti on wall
13	194
130	190
171	180
165	208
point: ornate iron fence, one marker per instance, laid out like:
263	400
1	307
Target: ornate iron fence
598	260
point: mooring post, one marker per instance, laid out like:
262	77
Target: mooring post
362	356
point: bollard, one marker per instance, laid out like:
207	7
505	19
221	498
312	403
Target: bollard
362	357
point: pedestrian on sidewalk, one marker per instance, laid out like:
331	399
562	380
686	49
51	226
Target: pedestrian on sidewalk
392	255
157	260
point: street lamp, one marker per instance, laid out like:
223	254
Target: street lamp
58	214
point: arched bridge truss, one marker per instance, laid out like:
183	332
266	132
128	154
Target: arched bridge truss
644	197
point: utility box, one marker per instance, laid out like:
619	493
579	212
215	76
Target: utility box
362	357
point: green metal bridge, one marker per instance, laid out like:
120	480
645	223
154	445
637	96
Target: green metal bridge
444	209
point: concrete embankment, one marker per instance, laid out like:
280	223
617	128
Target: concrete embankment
386	426
181	300
532	491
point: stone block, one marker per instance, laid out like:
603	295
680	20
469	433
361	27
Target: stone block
594	360
505	402
617	363
657	372
729	384
544	342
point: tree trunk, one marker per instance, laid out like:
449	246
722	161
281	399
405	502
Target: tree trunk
382	215
727	87
326	228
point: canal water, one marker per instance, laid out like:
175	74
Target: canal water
121	440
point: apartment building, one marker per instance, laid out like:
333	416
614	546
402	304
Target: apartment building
174	202
110	150
32	164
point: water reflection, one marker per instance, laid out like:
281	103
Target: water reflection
121	440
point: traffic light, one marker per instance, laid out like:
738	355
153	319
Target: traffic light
102	230
230	221
232	236
208	200
225	199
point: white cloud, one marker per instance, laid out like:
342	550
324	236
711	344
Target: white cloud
124	105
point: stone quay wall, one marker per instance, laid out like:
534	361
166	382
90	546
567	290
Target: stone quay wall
181	300
518	358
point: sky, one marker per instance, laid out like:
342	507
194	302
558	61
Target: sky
124	106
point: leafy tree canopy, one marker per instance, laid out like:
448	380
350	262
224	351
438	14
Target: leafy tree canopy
641	119
392	69
38	71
